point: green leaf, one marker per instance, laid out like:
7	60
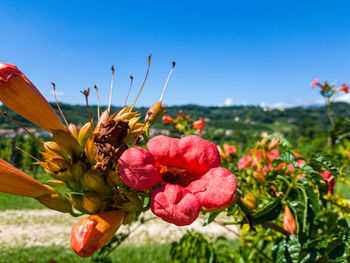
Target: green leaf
210	218
269	212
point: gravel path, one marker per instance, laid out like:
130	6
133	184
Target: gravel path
26	228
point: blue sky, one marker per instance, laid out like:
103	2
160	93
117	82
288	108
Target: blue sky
240	52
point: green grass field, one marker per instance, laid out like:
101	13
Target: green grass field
124	254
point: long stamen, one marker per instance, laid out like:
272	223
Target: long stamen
98	102
111	90
127	95
143	84
23	151
20	125
58	106
86	94
166	83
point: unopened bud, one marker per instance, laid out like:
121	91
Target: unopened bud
114	178
78	170
92	203
134	203
94	181
55	201
74	130
94	232
53	149
85	133
67	142
90	151
132	123
126	116
77	202
60	169
260	177
155	112
289	222
250	200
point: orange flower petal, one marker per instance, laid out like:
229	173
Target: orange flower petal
94	232
14	181
21	96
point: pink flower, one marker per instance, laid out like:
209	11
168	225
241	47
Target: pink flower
189	173
229	149
315	83
331	181
244	162
274	154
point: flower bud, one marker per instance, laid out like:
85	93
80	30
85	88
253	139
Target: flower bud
74	130
77	202
60	169
199	125
19	94
122	112
260	177
167	119
132	123
85	133
53	149
67	143
155	112
114	178
94	232
133	203
92	203
55	201
78	170
90	151
289	222
126	116
94	181
250	200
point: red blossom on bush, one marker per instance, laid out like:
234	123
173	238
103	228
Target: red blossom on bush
199	125
189	173
315	83
331	181
167	119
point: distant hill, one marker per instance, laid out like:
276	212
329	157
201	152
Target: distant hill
241	120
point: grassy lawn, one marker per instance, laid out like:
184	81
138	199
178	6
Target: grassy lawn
125	254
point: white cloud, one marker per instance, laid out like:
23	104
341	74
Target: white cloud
343	98
228	102
58	93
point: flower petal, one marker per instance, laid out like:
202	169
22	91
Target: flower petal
94	232
190	152
175	204
215	188
137	169
167	151
14	181
21	96
200	155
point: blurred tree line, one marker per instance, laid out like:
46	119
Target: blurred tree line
307	128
